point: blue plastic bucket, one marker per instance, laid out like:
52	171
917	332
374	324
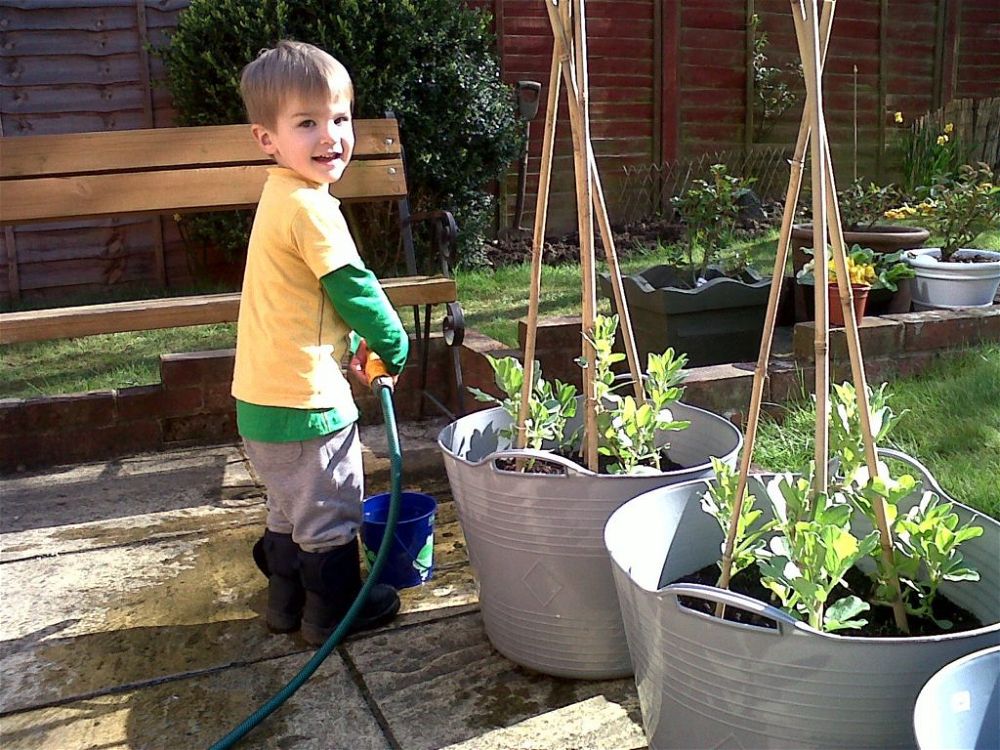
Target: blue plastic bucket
411	556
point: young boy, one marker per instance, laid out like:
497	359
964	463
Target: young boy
304	291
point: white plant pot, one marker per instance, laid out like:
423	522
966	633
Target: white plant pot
952	285
710	683
536	541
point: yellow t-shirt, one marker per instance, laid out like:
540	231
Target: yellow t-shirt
290	340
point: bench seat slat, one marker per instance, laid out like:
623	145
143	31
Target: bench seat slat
144	315
133	150
48	198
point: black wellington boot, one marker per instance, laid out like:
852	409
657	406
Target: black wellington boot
277	556
332	580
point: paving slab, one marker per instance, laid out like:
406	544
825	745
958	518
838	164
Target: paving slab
132	618
595	724
329	711
443	683
151	483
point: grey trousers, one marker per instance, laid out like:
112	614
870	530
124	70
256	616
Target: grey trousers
314	487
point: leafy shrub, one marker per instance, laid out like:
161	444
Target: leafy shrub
863	203
429	62
773	94
959	208
710	210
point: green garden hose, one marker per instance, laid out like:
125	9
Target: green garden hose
396	465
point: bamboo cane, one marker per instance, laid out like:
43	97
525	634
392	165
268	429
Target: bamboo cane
807	32
582	156
820	39
770	318
538	239
824	172
562	42
860	385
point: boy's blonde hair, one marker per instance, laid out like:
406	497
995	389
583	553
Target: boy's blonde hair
291	69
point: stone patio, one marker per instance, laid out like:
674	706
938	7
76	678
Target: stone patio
132	619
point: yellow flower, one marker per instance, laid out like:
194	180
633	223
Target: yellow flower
898	117
177	217
949	127
942	139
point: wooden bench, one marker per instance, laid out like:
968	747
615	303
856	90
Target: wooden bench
178	170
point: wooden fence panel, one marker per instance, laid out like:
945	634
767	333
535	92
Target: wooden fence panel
620	41
70	66
978	74
73	67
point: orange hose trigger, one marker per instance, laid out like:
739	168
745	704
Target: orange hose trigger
375	368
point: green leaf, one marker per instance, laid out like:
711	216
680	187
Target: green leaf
841	613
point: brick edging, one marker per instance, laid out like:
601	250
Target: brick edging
192	405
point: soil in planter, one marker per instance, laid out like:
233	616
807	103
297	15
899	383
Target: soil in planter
544	467
880	619
971	258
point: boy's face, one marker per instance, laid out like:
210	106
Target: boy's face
314	138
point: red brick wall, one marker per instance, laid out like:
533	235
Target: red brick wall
190	406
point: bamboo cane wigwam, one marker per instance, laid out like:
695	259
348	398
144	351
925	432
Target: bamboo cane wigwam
569	61
812	30
568	23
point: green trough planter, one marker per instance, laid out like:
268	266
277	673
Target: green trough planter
720	321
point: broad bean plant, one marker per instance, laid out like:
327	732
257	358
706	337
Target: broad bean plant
628	430
720	502
550	406
813	539
810	551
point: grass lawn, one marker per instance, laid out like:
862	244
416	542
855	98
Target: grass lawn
114	360
950	422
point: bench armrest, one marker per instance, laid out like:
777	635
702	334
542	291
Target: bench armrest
444	236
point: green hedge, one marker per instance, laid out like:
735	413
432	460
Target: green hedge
429	61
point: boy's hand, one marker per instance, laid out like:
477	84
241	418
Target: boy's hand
369	369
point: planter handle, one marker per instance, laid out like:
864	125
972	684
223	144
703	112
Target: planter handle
727	598
924	472
537	455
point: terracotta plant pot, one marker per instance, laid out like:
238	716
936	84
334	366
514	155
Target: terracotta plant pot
859	296
882	238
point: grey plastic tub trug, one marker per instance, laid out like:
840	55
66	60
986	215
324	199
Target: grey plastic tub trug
959	707
536	545
708	683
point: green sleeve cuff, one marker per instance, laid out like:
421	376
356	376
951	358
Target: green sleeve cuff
362	303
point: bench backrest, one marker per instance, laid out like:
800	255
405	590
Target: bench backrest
54	177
